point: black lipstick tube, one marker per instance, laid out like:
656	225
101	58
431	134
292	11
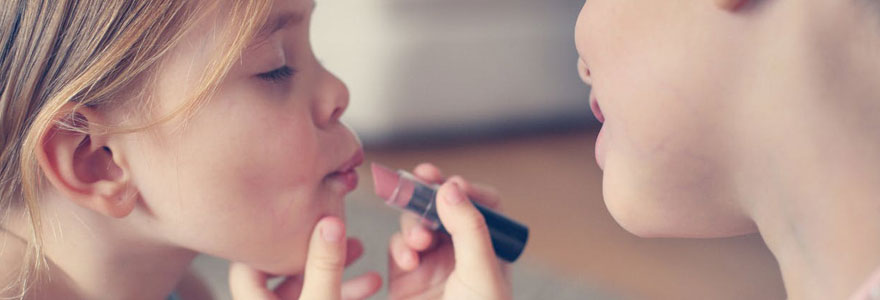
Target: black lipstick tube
509	237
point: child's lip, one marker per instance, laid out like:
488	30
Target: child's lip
356	160
345	174
596	109
348	179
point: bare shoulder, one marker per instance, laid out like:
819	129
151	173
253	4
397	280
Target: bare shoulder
192	287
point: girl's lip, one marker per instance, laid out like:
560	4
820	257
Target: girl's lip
346	174
348	179
600	149
356	160
597	111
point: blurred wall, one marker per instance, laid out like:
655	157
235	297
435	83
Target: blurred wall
453	67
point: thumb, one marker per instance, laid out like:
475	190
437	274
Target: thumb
475	260
248	283
325	261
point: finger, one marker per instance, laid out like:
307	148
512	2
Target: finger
482	194
354	249
416	236
486	195
404	258
291	287
429	173
248	283
325	260
420	239
475	260
361	287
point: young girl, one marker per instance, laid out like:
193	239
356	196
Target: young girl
726	117
137	134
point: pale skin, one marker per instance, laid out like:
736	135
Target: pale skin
249	178
729	132
731	117
426	265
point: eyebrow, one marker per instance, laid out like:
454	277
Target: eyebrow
283	20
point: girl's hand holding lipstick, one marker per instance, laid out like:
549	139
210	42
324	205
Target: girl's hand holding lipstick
330	251
425	264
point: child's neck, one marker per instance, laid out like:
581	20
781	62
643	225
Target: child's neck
811	184
96	257
809	170
826	240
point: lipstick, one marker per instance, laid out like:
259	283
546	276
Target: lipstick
404	191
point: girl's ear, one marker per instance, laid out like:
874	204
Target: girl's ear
84	165
730	5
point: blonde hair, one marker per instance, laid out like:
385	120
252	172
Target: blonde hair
57	52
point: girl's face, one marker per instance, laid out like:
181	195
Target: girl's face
662	76
250	174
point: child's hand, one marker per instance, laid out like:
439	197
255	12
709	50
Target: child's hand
329	253
428	265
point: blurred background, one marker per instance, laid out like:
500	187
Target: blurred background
488	89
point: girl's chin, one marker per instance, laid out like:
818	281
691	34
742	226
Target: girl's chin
281	267
332	205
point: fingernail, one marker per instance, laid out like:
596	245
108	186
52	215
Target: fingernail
411	235
332	232
456	197
409	260
416	234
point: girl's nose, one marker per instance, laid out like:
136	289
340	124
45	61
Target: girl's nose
332	100
584	72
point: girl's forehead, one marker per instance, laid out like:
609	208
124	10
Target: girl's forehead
286	13
290	10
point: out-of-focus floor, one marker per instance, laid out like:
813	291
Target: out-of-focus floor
552	183
576	250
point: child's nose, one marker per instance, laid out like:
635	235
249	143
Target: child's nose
584	72
332	100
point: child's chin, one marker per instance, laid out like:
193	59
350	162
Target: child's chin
284	270
332	206
280	263
632	212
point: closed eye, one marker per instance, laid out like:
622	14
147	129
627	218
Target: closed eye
277	75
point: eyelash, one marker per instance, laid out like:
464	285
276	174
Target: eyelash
277	75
